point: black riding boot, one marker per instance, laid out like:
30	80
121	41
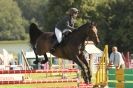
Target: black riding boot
54	47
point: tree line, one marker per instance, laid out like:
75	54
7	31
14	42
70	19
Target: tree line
113	17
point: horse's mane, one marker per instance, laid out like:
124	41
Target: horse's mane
88	24
78	34
81	27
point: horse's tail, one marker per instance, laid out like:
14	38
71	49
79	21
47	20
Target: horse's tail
34	33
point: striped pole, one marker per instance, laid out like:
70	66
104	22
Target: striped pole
36	71
38	81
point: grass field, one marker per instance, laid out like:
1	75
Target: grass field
42	85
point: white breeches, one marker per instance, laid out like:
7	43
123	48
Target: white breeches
58	34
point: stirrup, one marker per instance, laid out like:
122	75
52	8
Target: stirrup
53	49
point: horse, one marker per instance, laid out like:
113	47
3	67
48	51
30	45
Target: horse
69	49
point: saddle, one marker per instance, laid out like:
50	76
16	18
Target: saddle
55	41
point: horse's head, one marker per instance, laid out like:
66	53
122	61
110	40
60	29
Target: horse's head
93	33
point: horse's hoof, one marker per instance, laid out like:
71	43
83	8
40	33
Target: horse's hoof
86	82
43	61
90	79
35	62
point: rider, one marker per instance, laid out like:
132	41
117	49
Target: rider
65	25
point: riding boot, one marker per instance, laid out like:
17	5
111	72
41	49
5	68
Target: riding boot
54	47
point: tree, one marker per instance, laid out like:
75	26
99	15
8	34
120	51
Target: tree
33	10
115	20
12	25
56	10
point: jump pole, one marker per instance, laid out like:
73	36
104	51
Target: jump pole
38	81
36	71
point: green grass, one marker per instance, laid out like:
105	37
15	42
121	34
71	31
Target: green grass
41	85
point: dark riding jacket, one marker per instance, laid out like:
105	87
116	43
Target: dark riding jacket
66	23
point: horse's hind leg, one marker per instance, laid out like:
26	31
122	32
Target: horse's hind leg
80	63
46	59
82	57
36	61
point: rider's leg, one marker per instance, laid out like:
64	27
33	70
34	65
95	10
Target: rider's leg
65	33
58	35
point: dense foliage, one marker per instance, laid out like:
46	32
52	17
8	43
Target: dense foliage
116	24
12	24
114	18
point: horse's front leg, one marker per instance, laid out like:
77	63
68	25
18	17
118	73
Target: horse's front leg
77	60
83	59
36	61
46	59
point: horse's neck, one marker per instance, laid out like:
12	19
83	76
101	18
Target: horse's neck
79	36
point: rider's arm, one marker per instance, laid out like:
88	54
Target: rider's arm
69	23
69	26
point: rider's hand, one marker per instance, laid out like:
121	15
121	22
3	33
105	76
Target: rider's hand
70	30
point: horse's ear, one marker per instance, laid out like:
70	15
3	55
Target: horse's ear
93	23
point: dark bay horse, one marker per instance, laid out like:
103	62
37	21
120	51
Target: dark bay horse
42	42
